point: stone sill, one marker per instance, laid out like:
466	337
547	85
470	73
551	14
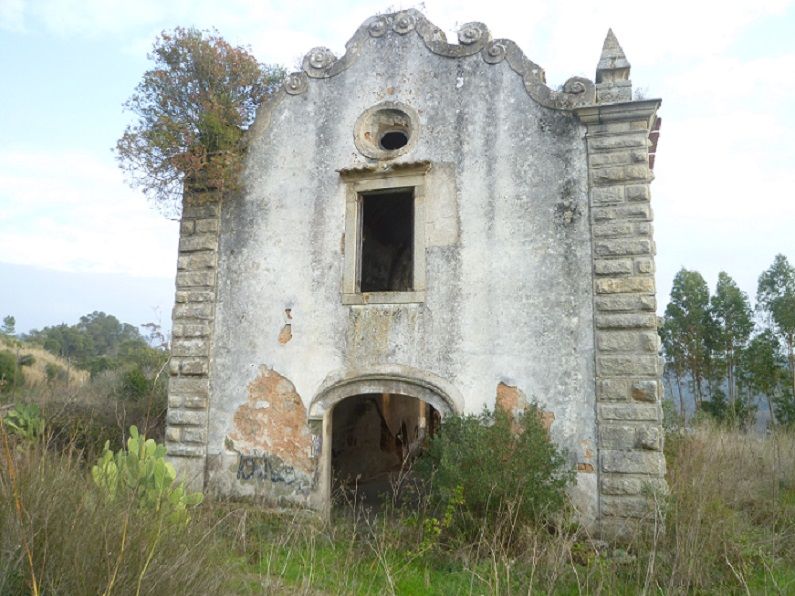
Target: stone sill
413	297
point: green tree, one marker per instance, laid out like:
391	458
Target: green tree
65	341
733	324
106	333
675	363
192	106
100	342
762	371
688	328
9	325
775	296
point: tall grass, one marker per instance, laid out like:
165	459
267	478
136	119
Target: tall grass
59	535
729	528
731	513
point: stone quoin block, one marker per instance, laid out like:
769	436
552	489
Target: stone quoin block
629	411
633	462
611	142
636	365
186	417
612	389
603	230
626	302
187	279
624	285
209	209
622	246
190	386
198	260
613	267
198	242
627	321
181	346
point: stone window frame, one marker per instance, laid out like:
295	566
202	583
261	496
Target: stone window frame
367	180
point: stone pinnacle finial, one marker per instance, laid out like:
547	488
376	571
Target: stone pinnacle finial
613	64
612	72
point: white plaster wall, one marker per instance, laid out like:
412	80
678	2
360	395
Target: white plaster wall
509	285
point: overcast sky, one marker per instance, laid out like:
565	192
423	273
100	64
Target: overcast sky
724	195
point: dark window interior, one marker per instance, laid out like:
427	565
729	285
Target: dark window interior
394	140
387	263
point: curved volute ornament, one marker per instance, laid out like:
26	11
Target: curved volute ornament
404	22
474	38
495	51
378	27
296	83
317	62
473	33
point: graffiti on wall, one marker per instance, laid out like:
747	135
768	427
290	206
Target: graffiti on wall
272	469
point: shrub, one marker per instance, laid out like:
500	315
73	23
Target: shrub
55	372
134	384
196	101
26	360
10	373
495	466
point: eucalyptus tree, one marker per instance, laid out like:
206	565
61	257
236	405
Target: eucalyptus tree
775	297
688	326
732	324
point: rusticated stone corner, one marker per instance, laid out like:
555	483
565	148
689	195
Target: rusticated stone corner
193	318
628	373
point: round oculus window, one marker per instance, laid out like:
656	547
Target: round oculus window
386	130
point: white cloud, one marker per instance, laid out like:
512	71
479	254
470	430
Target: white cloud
72	211
12	15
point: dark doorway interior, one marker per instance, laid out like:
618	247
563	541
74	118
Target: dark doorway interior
374	436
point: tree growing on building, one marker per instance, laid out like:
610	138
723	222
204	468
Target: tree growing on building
192	110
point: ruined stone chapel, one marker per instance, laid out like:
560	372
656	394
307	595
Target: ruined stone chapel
423	228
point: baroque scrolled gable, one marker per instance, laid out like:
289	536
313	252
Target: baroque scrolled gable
474	39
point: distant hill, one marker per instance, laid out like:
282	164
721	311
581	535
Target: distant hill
36	374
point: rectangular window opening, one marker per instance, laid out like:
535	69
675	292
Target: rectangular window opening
387	241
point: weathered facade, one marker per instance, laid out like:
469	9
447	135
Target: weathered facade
425	228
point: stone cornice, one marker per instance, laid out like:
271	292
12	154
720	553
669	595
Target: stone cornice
385	169
616	112
474	39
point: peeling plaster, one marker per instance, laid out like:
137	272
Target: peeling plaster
273	421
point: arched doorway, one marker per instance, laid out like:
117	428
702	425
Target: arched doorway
375	438
371	422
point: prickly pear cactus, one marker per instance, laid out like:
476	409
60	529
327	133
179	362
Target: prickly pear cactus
24	420
142	471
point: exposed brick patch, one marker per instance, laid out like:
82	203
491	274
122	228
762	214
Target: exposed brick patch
273	421
513	401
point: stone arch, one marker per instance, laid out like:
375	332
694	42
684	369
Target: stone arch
395	379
